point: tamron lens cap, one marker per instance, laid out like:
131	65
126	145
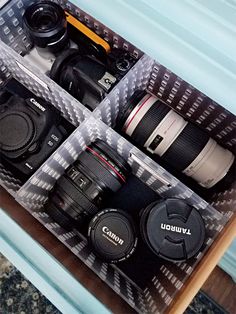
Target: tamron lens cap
172	229
112	235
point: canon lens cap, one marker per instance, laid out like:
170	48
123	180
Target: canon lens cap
173	229
112	235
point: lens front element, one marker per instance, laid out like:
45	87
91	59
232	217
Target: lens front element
46	25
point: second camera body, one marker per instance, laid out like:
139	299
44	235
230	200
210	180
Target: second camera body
83	76
79	60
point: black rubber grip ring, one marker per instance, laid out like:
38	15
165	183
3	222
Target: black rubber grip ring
85	204
60	61
59	216
186	147
149	122
129	107
100	171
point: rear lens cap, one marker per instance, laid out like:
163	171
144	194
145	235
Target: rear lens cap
112	235
173	229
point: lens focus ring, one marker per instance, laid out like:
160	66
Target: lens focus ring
191	141
149	122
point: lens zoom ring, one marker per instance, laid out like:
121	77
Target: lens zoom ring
186	147
83	203
99	171
59	215
149	122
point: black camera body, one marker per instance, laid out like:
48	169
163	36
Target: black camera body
87	78
30	131
83	76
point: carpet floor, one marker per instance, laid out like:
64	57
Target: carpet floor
19	296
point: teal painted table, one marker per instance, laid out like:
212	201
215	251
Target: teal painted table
44	271
228	261
181	36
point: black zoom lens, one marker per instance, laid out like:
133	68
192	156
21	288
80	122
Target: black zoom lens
79	193
46	24
184	146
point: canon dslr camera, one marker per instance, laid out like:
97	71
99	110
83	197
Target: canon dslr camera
30	130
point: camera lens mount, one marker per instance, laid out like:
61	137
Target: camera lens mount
16	130
30	130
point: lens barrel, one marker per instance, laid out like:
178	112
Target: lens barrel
79	193
184	146
46	24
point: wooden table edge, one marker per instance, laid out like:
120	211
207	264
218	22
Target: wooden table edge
203	270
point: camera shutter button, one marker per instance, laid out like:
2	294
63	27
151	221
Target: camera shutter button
16	130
